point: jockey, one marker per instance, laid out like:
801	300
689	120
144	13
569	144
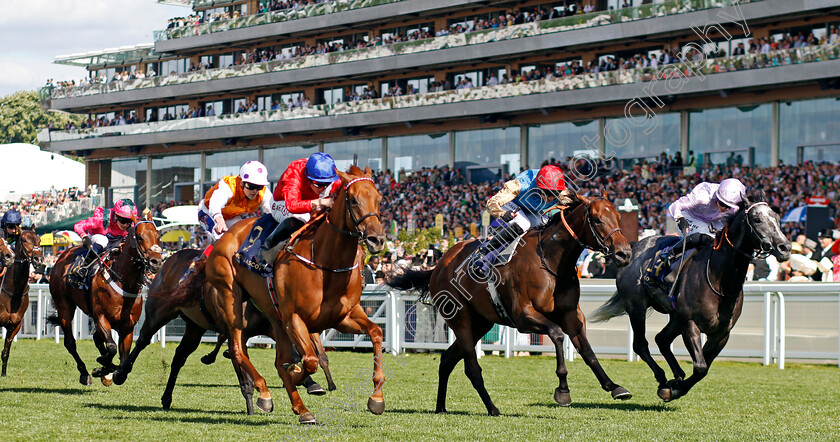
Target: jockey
708	204
307	186
11	226
521	204
232	197
102	234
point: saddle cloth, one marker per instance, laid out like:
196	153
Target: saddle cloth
655	273
78	261
248	253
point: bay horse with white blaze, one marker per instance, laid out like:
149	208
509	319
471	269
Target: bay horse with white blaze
175	293
14	284
113	301
538	291
318	286
710	288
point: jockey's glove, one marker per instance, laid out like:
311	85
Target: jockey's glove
508	216
682	224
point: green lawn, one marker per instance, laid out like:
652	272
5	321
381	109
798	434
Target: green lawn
42	400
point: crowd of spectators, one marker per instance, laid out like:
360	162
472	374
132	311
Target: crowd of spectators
41	201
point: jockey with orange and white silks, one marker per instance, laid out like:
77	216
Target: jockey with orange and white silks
521	204
232	197
307	186
707	205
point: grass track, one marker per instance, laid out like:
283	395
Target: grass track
41	399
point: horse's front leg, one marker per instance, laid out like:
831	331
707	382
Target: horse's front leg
283	359
108	347
533	321
357	322
701	357
7	346
574	324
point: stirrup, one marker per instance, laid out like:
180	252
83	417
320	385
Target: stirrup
270	255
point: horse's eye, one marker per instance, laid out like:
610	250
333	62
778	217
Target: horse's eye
597	221
353	202
757	220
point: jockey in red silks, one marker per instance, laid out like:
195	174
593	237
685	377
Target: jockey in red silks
307	187
101	234
520	204
232	197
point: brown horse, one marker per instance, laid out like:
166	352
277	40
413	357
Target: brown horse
318	286
113	301
14	285
172	295
538	291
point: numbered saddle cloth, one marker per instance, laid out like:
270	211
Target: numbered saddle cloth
655	273
249	252
72	279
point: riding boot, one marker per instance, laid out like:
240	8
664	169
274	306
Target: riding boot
81	272
487	253
692	241
276	240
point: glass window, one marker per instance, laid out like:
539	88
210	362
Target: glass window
369	151
128	180
331	96
631	143
490	147
719	136
415	152
809	131
221	164
560	141
176	179
278	159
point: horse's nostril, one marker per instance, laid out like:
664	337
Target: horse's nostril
784	247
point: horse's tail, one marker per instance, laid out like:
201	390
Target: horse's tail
54	320
612	308
413	281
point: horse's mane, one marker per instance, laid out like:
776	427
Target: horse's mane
556	218
355	170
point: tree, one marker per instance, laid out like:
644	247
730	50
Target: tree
21	117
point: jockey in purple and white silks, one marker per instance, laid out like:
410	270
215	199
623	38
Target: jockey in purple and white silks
707	205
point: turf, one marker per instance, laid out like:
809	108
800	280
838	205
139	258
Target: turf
41	399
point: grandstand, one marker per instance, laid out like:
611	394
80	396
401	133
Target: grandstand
483	87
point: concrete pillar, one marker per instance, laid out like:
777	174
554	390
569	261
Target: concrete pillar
685	127
451	149
602	137
384	153
149	182
523	149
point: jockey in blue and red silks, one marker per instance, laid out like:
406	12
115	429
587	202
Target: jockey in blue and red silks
521	204
708	206
307	187
103	234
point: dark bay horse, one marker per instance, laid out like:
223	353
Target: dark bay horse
539	289
196	302
14	284
318	286
113	301
710	288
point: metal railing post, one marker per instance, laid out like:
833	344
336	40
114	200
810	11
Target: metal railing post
39	318
570	348
767	346
392	322
631	355
509	337
781	329
162	332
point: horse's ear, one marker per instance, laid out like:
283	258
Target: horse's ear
368	172
582	199
344	177
148	215
745	200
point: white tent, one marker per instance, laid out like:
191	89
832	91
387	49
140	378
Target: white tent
26	169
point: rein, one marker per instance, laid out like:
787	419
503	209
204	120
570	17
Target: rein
142	263
723	238
355	234
602	245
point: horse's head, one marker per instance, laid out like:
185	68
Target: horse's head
7	255
602	231
29	249
145	240
361	200
758	224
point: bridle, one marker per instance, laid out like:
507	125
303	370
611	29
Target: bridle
601	240
355	233
143	260
27	258
761	252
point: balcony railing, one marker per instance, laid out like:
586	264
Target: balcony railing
403	48
268	17
588	80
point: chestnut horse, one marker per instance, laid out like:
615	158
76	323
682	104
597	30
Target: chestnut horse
113	301
538	290
171	294
14	285
318	286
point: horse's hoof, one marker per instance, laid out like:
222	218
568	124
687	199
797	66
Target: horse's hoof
376	407
107	380
494	412
331	387
97	372
440	411
265	405
315	390
563	399
166	402
664	394
85	379
120	377
226	354
308	418
621	393
207	360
